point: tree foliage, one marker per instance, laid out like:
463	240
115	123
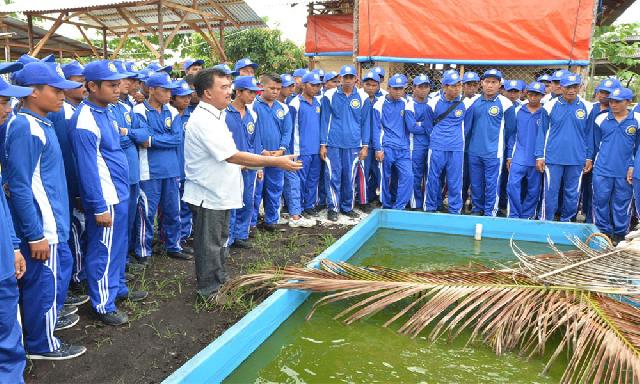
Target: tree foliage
610	42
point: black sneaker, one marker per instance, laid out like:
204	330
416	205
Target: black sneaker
144	261
67	321
332	216
311	212
135	296
179	255
351	214
128	277
65	352
76	300
67	310
134	267
240	243
188	250
269	227
366	208
114	318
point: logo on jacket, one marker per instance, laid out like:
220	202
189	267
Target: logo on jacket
115	125
127	117
317	109
355	103
580	114
250	128
494	110
458	112
402	112
280	114
631	130
167	122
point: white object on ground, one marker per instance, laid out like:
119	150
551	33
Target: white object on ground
478	235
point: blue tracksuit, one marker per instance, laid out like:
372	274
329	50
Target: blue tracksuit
393	122
368	177
12	358
104	186
305	143
40	209
186	218
419	143
492	121
274	127
521	152
565	146
342	131
446	151
159	178
614	147
247	139
586	194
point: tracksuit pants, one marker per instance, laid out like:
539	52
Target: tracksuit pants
106	257
342	164
186	219
292	192
12	357
240	219
161	195
367	178
132	222
419	167
612	204
78	245
554	175
466	179
485	183
268	192
451	163
400	161
309	179
523	207
587	197
38	289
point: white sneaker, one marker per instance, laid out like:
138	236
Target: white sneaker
301	222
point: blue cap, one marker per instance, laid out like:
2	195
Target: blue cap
246	82
450	78
621	93
38	73
51	58
8	90
544	77
246	62
570	79
224	68
102	70
130	67
182	89
122	69
330	75
518	85
300	72
320	73
188	63
72	68
398	81
371	75
421	79
10	67
144	74
287	80
311	78
536	86
347	70
160	80
470	76
155	67
492	73
379	71
558	75
608	85
26	59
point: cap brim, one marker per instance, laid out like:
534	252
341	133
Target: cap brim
314	82
66	84
494	76
15	91
10	67
182	92
470	81
256	89
114	76
421	82
570	84
536	91
618	98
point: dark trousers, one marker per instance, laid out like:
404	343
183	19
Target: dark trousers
210	234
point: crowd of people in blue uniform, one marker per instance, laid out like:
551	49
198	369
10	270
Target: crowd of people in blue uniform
92	161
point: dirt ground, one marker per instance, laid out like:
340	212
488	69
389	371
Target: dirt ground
171	326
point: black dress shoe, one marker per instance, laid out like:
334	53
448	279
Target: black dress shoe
269	227
179	255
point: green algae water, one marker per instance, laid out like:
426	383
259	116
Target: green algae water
323	350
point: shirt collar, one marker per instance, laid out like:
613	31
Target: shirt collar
303	100
148	106
94	107
610	116
217	113
41	119
494	98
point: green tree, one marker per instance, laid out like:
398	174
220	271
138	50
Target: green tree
610	42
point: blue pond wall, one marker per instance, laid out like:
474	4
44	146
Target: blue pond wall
215	362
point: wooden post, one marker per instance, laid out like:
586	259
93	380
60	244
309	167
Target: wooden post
160	33
221	31
104	43
356	28
30	31
60	54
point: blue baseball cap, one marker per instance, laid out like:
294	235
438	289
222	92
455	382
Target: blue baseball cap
49	59
72	68
155	67
398	81
188	63
536	86
320	73
608	85
160	80
102	70
470	77
26	59
492	73
246	82
379	71
224	68
39	73
621	93
570	79
8	90
558	75
182	89
347	70
10	67
518	85
131	68
300	72
311	78
287	80
371	75
451	78
330	75
144	74
246	62
122	69
421	79
544	77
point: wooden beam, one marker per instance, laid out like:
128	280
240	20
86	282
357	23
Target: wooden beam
224	12
84	35
215	41
160	33
46	37
123	40
104	43
195	27
30	32
141	35
93	8
67	21
175	31
193	10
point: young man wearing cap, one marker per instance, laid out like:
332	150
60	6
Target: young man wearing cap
545	79
241	121
38	197
331	80
521	160
160	170
343	142
12	265
514	90
491	121
446	114
564	151
555	87
274	128
245	67
470	84
616	140
297	78
288	87
419	141
191	67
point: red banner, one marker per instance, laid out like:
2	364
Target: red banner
329	34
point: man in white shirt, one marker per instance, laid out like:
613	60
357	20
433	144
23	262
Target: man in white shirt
213	180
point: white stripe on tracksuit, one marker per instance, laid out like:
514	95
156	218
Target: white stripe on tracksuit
51	316
103	283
